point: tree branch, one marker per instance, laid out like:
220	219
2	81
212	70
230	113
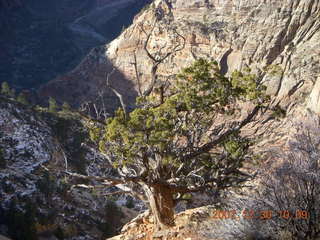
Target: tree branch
208	146
109	181
156	61
117	93
113	181
137	73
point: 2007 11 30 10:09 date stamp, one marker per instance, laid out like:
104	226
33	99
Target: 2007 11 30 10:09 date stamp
259	215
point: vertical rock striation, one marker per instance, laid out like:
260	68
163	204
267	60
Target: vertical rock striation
278	40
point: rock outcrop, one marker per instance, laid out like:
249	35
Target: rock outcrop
278	40
36	196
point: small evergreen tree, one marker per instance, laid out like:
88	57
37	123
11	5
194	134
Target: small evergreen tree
22	98
174	145
5	90
66	107
53	106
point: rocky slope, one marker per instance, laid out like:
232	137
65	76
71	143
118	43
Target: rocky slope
42	39
278	40
37	200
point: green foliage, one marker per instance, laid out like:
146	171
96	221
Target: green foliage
247	88
199	92
66	107
6	90
274	70
95	133
178	144
129	202
278	112
200	86
235	146
53	107
22	98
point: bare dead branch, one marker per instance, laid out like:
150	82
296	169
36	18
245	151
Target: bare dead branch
135	64
158	60
117	93
145	47
112	180
107	181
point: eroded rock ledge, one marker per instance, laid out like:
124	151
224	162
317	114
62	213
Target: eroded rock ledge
278	40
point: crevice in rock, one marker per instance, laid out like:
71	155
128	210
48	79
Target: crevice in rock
224	62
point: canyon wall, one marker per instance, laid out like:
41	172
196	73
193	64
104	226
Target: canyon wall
278	40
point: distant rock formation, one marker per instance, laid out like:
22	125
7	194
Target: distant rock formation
278	40
42	39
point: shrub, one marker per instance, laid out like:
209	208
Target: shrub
66	107
53	106
22	98
6	90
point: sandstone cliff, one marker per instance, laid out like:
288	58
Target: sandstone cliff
278	40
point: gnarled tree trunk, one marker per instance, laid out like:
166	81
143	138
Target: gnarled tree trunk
161	205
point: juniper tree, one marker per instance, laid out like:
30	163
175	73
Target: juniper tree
6	90
53	107
171	145
66	107
22	98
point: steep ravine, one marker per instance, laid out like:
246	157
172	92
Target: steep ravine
37	200
40	40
